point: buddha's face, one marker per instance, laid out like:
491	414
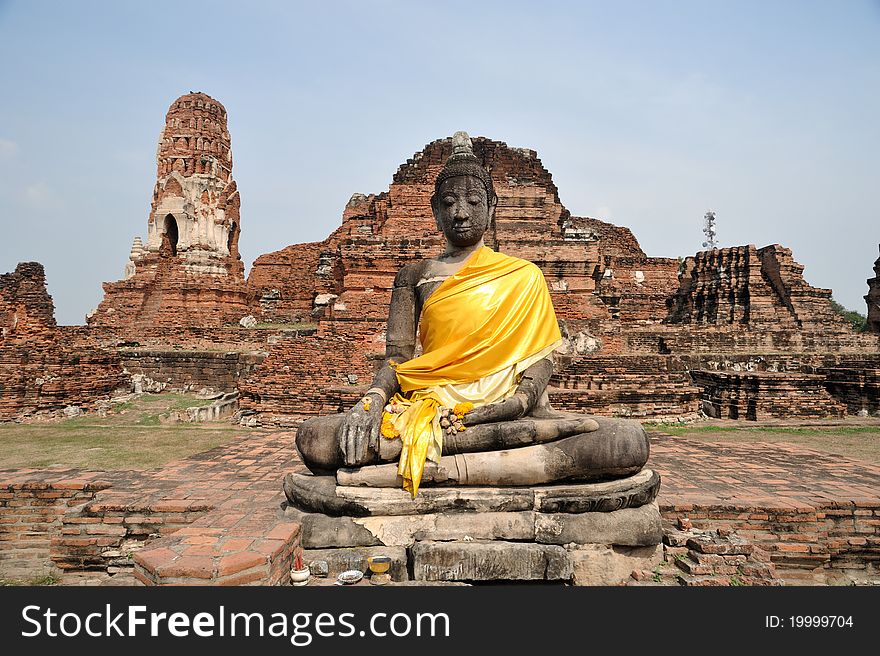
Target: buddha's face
462	210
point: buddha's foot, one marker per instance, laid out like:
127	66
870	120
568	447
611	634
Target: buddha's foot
618	448
317	439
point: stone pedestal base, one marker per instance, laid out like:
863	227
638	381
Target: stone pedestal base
581	534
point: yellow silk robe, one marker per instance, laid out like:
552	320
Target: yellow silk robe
479	330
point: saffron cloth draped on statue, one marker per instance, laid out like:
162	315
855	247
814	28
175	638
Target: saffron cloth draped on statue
479	330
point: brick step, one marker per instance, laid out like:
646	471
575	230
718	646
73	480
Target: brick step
257	549
103	534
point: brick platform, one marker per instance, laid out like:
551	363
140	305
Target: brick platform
817	514
215	518
210	519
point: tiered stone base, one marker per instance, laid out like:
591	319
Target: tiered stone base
584	534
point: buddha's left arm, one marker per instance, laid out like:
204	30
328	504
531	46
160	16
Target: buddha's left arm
529	391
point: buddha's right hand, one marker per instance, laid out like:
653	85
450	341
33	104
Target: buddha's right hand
507	410
359	431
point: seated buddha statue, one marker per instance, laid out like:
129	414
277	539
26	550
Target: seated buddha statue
472	408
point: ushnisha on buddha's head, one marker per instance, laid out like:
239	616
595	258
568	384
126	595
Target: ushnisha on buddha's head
464	199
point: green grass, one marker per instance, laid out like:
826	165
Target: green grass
48	579
132	436
286	326
106	447
657	575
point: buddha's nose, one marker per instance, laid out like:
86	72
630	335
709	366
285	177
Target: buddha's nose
461	212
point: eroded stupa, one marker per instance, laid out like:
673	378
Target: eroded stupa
188	271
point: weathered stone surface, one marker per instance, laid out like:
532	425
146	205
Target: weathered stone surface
605	564
629	492
319	568
320	494
728	546
339	560
490	561
406	530
399	530
323	531
484	526
628	527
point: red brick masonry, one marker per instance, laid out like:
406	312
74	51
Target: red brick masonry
811	510
214	518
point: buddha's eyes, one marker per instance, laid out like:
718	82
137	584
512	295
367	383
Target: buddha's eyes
449	200
475	199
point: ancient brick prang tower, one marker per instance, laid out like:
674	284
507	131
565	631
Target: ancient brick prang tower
873	299
189	271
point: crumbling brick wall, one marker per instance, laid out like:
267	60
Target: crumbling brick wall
27	314
39	368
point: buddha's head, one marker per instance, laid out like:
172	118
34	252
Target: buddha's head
464	199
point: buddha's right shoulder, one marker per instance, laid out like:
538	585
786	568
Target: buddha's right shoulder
409	274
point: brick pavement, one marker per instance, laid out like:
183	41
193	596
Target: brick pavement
214	517
769	474
817	514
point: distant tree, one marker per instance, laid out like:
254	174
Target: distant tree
858	321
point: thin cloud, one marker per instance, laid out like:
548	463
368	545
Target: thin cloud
603	213
40	196
8	149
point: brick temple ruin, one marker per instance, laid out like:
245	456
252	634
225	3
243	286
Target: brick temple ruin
728	333
189	271
731	333
734	332
41	368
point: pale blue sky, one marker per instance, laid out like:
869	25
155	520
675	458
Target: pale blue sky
646	113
